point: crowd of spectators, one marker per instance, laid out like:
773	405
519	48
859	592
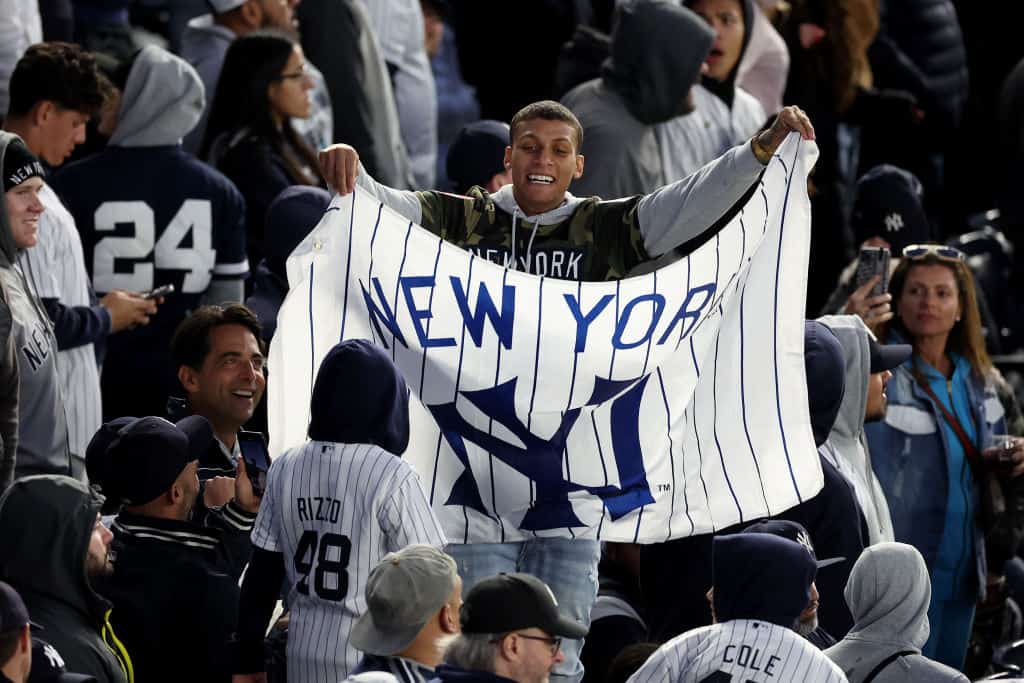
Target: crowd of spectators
160	161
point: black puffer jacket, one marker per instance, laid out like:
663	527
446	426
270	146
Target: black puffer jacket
920	49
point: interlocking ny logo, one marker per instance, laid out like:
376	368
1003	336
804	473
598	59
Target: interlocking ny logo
541	460
803	539
51	654
894	222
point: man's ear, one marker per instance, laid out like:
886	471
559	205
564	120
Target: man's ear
42	111
188	378
509	647
252	13
449	621
579	166
508	157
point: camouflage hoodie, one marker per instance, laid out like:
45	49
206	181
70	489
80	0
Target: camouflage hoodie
584	238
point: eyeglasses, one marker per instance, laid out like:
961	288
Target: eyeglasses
554	643
301	73
916	251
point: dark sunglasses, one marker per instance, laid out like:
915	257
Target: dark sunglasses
916	251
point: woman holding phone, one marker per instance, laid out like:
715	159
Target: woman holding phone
932	452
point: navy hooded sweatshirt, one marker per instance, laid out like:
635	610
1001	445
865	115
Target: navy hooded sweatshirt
290	217
775	588
358	397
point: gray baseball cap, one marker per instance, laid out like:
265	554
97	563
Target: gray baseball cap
403	592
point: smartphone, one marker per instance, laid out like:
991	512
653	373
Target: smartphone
257	459
163	290
871	262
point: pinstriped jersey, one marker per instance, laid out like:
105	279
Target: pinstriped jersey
56	269
738	651
334	510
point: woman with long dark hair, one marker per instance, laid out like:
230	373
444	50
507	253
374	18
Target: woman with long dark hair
933	451
249	136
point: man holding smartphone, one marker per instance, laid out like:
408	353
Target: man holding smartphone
170	570
219	357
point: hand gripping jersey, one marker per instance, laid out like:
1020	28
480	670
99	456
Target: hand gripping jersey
738	651
334	510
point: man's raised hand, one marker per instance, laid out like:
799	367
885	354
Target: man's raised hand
339	165
788	120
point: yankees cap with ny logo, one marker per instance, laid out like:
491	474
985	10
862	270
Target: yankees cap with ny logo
794	532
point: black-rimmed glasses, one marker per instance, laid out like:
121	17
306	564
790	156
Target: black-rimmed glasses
553	642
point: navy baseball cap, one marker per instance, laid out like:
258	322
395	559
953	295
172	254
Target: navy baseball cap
13	614
145	458
97	462
794	532
507	602
48	666
477	153
98	456
889	204
887	356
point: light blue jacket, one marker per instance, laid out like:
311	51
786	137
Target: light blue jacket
909	450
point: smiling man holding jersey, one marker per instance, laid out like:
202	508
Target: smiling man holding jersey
535	223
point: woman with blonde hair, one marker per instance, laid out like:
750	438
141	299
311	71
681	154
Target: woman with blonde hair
932	452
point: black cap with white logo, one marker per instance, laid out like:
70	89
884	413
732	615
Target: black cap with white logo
508	602
794	532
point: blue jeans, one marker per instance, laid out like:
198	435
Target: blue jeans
568	566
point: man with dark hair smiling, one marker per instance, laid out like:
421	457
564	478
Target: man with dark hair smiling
219	356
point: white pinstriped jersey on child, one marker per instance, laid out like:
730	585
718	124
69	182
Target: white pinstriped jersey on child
334	510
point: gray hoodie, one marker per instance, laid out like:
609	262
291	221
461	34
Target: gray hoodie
656	54
847	447
888	593
162	101
42	428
